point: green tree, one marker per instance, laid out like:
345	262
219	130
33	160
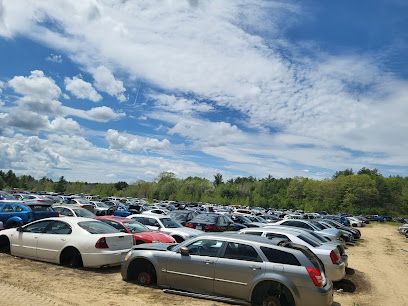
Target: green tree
121	185
61	185
218	179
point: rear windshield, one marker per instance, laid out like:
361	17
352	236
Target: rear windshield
136	227
319	237
97	227
320	226
309	254
309	241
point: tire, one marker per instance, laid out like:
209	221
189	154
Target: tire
272	293
143	273
4	245
71	258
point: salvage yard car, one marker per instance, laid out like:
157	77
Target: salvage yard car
166	225
233	268
14	214
69	241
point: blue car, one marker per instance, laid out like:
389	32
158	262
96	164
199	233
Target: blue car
15	214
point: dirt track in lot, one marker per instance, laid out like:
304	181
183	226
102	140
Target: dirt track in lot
380	261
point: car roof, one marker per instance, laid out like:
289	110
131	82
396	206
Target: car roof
238	237
114	218
69	206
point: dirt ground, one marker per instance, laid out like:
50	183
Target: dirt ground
380	261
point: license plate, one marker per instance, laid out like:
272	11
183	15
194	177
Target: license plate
199	227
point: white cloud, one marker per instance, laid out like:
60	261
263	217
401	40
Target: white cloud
134	143
55	58
179	105
105	81
100	114
81	89
37	85
208	49
65	125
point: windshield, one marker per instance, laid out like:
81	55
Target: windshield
317	224
84	213
97	227
317	236
136	227
260	219
244	219
170	223
101	205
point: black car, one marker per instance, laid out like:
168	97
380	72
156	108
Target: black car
211	222
244	220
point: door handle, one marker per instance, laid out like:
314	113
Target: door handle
63	239
208	262
254	268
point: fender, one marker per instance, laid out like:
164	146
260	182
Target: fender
15	219
278	278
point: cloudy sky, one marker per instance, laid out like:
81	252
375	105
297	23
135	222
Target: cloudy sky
104	90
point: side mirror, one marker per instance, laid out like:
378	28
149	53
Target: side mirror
19	229
184	251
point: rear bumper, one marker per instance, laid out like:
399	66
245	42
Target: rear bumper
336	272
317	296
103	258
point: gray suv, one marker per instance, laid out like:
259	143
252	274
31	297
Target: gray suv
235	268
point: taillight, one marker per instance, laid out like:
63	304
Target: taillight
333	257
189	225
210	228
316	276
101	244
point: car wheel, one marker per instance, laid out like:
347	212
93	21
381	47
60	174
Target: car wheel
71	258
271	301
145	278
4	245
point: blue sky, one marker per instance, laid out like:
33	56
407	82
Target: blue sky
103	91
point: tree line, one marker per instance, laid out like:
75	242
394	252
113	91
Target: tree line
366	191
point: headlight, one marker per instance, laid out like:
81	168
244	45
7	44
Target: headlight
155	241
128	255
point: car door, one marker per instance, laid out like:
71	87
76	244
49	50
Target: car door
236	269
52	241
24	242
195	272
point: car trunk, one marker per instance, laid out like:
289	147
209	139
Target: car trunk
119	242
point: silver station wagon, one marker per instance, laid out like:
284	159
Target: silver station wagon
234	268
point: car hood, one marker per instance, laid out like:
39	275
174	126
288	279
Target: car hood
155	236
331	231
183	231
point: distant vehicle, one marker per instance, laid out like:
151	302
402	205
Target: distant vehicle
244	220
6	197
354	222
72	242
73	211
182	216
14	214
233	268
82	202
141	234
329	254
156	211
211	222
37	199
100	208
166	225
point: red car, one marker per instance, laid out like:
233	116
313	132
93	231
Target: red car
141	234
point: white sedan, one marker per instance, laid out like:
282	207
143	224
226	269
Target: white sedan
69	241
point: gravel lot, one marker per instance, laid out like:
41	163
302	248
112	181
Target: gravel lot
380	261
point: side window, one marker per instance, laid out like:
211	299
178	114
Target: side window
38	227
152	222
280	257
273	235
59	228
8	208
66	212
240	251
18	208
221	221
205	248
141	220
254	233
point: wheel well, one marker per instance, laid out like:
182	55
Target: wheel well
67	251
4	244
178	238
274	288
140	265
